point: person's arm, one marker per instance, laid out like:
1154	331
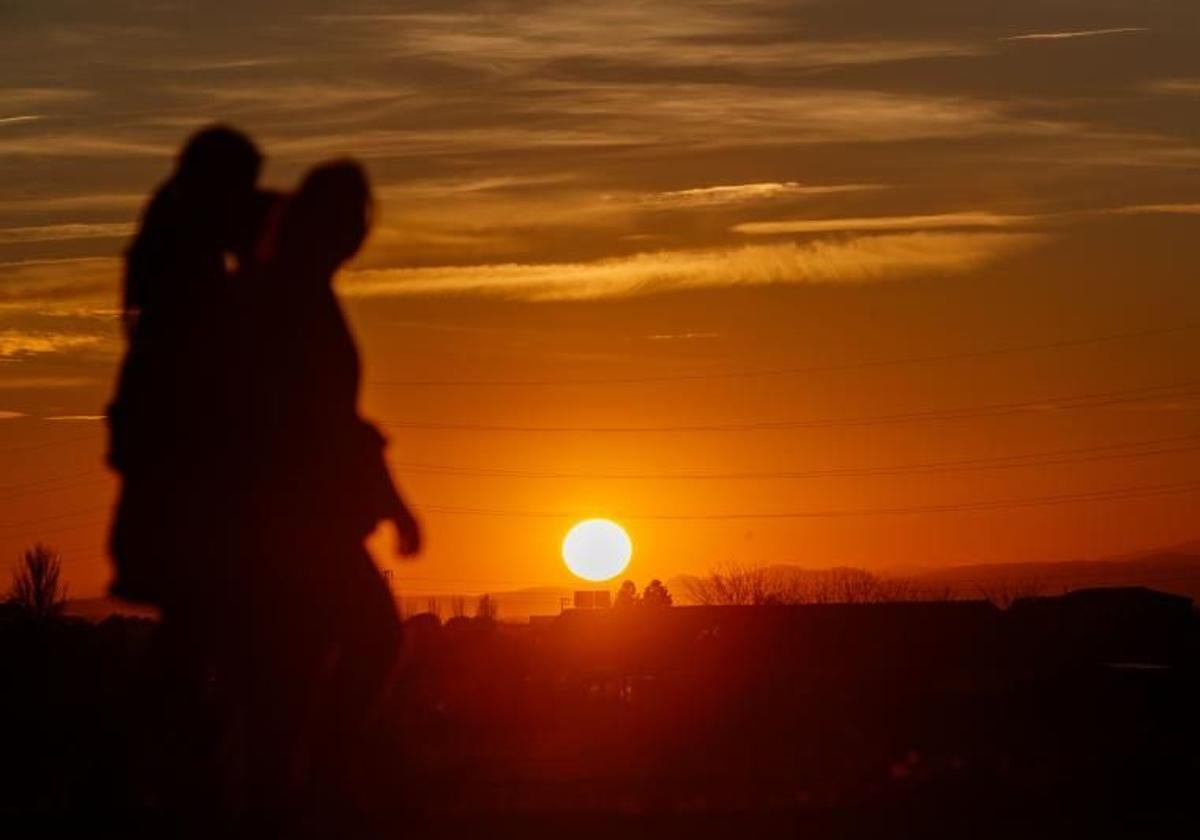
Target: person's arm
384	491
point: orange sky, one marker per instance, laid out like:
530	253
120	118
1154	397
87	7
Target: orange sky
764	281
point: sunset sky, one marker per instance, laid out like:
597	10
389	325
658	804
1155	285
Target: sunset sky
838	282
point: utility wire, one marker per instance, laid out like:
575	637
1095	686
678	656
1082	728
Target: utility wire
1116	494
1185	388
794	371
1033	459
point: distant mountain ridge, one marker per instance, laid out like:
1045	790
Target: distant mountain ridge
1175	569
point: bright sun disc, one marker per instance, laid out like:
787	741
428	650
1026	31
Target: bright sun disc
597	549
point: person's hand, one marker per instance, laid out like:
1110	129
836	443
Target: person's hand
408	532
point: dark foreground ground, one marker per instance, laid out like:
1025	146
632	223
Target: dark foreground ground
1056	718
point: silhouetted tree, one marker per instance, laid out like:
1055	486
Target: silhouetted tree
735	584
458	606
741	585
655	595
37	584
487	608
626	595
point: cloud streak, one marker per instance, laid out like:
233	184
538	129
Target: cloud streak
744	193
941	221
63	203
1081	33
862	260
65	232
44	383
1159	209
16	344
54	286
658	34
1186	87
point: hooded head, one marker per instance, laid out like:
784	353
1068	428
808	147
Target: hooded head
328	218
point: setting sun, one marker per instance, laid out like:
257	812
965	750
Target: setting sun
597	549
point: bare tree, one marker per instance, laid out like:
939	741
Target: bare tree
458	606
487	608
742	585
37	582
433	606
735	584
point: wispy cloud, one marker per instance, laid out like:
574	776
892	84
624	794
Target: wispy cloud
728	116
1159	209
26	97
743	193
68	203
941	221
1080	33
83	145
862	260
59	285
15	344
1177	86
65	232
20	118
658	34
77	417
297	96
446	187
211	64
11	415
44	383
691	336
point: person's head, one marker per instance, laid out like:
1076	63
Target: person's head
328	218
219	158
215	178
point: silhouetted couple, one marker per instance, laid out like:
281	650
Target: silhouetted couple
249	481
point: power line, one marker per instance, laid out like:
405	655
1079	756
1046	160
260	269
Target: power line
1034	459
986	505
35	447
1116	494
1094	400
1040	458
48	485
55	517
794	371
1105	452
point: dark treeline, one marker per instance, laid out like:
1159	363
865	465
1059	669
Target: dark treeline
1074	714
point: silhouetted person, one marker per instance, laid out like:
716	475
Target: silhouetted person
169	440
316	634
176	293
250	482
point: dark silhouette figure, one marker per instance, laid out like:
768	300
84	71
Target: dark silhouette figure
315	633
250	482
176	291
170	527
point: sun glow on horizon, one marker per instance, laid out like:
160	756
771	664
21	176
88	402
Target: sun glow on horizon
597	549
